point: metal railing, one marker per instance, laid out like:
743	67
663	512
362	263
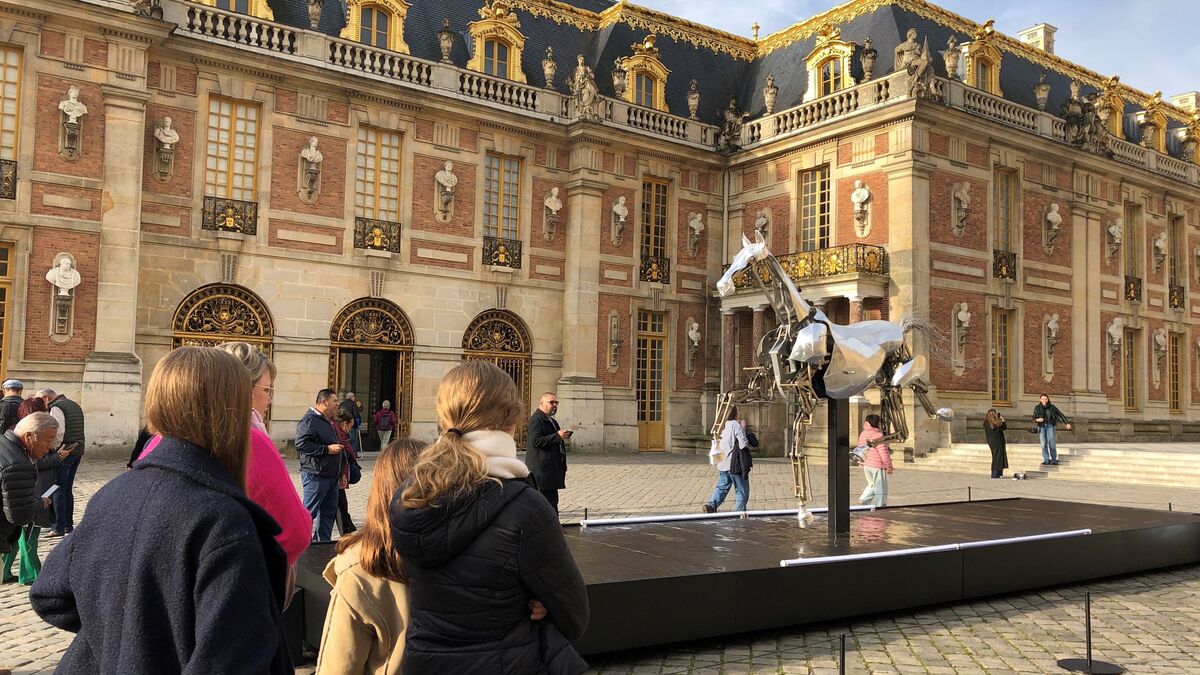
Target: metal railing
655	268
502	252
8	179
229	215
1176	296
821	263
1133	288
376	235
1004	264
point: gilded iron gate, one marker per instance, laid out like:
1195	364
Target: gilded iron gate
499	336
380	327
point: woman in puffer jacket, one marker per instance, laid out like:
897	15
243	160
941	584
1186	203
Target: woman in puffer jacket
492	587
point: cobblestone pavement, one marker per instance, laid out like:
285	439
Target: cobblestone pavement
1144	622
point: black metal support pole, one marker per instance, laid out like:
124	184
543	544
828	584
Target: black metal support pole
968	493
839	470
842	655
1087	665
1087	625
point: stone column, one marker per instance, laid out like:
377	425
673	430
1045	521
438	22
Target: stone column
856	308
1088	347
728	353
579	390
112	374
759	328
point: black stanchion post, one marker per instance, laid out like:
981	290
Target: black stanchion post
968	493
1087	665
842	655
839	470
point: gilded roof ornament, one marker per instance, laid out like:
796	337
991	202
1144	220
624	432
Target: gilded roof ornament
646	47
1153	103
499	10
828	33
754	29
984	32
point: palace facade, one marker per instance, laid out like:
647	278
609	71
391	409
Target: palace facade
372	192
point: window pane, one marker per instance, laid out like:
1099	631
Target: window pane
10	87
814	209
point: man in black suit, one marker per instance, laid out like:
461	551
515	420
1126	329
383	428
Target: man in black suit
546	450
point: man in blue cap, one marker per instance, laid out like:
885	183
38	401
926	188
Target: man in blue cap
10	403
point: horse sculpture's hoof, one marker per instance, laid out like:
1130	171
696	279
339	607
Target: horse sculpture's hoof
805	517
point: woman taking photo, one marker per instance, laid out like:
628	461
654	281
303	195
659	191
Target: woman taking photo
492	587
993	428
173	569
877	462
368	609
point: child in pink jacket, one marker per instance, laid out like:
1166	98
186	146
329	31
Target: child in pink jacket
877	463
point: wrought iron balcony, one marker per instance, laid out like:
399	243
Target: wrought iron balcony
1133	288
655	268
229	215
8	179
1004	264
1176	296
502	252
376	235
833	261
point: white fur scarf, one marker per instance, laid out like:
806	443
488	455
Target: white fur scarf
500	451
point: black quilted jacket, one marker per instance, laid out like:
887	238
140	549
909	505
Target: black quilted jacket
18	491
474	562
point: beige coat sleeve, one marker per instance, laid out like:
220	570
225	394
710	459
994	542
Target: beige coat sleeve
348	636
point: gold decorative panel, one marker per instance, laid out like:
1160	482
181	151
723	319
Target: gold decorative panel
371	322
218	313
500	337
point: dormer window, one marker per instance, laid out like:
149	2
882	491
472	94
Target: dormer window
647	75
497	42
982	60
377	23
983	70
256	8
646	88
828	64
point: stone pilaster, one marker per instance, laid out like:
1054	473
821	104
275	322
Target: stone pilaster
112	374
758	325
728	343
1087	333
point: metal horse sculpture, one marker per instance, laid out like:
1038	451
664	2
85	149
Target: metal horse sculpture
807	357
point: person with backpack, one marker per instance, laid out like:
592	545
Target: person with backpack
385	421
733	439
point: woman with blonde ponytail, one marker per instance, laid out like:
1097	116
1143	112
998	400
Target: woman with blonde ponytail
492	587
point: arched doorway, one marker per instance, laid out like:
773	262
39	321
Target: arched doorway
370	354
499	336
218	313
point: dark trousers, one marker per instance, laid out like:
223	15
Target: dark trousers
552	497
344	524
64	498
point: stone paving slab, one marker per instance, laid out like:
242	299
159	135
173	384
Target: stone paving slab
1143	622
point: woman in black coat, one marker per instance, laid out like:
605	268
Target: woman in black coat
993	428
492	587
173	569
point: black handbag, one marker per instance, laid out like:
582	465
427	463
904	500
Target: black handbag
1033	428
355	471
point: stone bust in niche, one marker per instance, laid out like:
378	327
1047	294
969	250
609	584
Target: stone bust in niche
63	275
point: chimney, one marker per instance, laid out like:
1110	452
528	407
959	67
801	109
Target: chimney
1189	101
1040	36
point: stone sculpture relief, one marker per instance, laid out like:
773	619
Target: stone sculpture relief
584	94
1116	236
148	8
444	183
445	40
65	279
553	205
920	83
693	100
620	213
859	198
1115	333
907	51
314	12
72	109
549	67
1148	124
1084	120
762	224
962	326
729	138
1160	250
961	203
1041	92
165	138
950	57
1050	337
1159	344
619	77
1191	138
1052	228
866	59
310	171
695	228
770	92
693	344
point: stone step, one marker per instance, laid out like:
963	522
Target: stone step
1170	466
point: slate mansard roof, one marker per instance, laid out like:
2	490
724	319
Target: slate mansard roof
726	65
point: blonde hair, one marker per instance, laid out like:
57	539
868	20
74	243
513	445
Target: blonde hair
475	395
376	554
992	419
202	395
255	361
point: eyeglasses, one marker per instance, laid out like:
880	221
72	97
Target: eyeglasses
270	390
552	402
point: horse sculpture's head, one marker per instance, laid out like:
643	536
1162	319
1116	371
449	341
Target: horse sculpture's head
750	251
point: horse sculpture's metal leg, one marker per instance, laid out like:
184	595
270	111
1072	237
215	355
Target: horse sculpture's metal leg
891	414
799	459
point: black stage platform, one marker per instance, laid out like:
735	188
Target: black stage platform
662	582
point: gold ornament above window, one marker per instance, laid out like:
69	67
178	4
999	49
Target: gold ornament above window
646	76
982	60
377	23
1153	123
1111	107
497	42
828	64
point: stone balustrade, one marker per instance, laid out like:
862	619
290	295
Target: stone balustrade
820	111
243	30
383	63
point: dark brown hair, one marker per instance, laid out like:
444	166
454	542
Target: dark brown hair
992	420
376	554
875	421
30	405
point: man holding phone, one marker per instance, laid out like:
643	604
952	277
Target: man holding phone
320	462
546	449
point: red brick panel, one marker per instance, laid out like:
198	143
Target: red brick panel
703	183
1033	332
40	190
95	52
683	381
183	214
564	160
462	222
608	303
468	139
185	80
845	154
153	75
750	178
50	91
537	239
539	154
279	237
338	111
416	247
977	357
285	168
977	155
686	208
881	145
877	209
48	242
424	130
632	225
700	279
1035	206
184	123
939	144
780	205
1033	171
53	43
941	196
783	171
285	101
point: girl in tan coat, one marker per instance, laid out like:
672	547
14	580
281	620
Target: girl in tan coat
368	608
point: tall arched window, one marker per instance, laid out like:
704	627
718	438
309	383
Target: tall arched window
495	58
647	87
831	76
374	26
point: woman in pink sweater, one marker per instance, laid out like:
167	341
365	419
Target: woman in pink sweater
268	482
877	463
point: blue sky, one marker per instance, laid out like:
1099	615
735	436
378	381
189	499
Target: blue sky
1151	44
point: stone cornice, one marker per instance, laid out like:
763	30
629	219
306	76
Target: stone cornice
217	64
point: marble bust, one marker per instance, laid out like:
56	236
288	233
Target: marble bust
71	107
446	178
310	153
620	210
166	134
694	334
63	275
